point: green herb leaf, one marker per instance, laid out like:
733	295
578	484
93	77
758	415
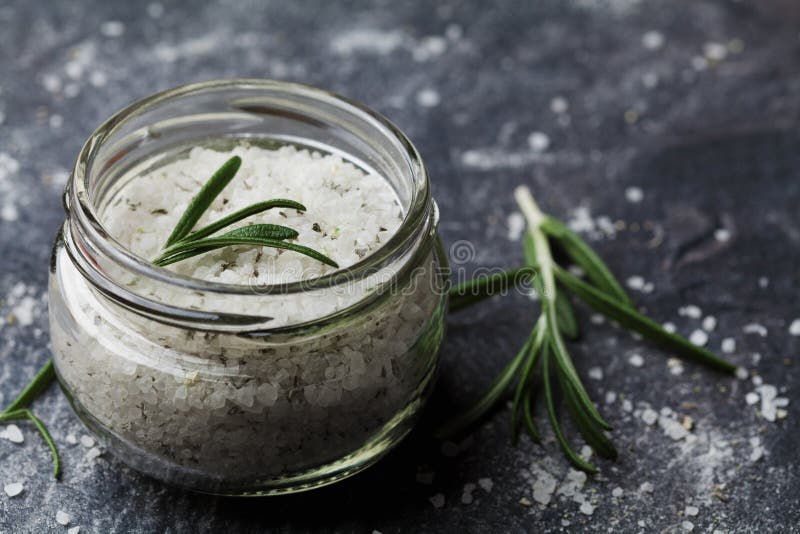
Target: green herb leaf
525	377
565	314
182	251
203	199
21	414
35	387
583	256
482	287
527	418
632	319
243	213
593	435
579	462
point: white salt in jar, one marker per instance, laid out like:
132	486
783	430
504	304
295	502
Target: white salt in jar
247	371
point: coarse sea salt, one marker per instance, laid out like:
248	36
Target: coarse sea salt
13	489
306	399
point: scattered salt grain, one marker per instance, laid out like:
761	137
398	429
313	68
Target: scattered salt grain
699	338
722	235
112	28
544	487
93	453
646	487
715	51
627	405
649	416
437	500
155	10
617	492
611	397
751	398
87	441
62	518
538	141
728	345
76	530
597	318
669	327
559	105
650	80
524	501
516	225
691	311
763	282
428	98
486	484
709	323
596	373
466	493
755	328
794	328
13	489
757	451
587	508
12	433
741	373
653	40
634	195
71	439
691	511
675	366
636	360
635	282
51	83
688	526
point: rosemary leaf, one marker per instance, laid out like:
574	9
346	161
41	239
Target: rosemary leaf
496	390
583	256
182	251
566	316
203	199
527	418
21	414
37	385
525	377
579	462
593	435
243	213
633	320
478	289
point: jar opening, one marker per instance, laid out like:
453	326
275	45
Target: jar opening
233	110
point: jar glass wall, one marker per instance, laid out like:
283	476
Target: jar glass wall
175	375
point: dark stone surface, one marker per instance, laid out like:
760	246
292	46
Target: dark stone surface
711	146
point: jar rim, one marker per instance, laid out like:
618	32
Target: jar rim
79	204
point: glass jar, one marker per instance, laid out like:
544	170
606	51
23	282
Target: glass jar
174	375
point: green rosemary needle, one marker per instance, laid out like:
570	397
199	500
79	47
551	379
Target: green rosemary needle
544	351
184	243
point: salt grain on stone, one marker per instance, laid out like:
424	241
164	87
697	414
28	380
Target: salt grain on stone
669	327
634	195
646	487
466	494
486	484
87	441
653	40
516	225
636	360
617	492
538	141
13	434
794	328
596	373
13	489
587	508
691	311
751	398
437	500
76	530
688	526
709	323
755	328
691	511
649	416
62	518
428	98
699	338
728	345
635	282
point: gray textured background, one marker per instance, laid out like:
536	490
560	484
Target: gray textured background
712	143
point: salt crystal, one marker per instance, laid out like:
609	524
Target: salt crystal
155	10
611	397
741	373
635	282
466	494
699	338
675	366
649	416
516	225
559	105
763	282
636	360
596	373
486	484
13	489
538	141
646	487
728	345
587	508
709	323
751	398
715	51
691	311
597	318
627	405
634	195
524	501
691	511
93	453
71	439
437	500
794	328
617	492
428	98
669	327
13	434
62	518
653	40
544	487
112	28
650	79
87	441
688	526
76	530
722	235
755	328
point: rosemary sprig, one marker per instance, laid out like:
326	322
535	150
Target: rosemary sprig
545	348
184	243
17	410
